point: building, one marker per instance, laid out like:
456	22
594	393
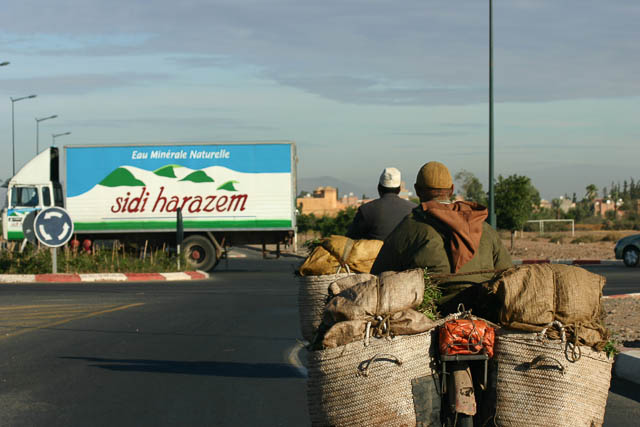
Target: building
602	206
324	202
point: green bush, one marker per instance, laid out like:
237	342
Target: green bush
327	225
35	260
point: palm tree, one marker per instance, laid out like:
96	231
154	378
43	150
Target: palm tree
592	192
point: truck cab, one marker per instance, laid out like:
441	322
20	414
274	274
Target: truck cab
35	187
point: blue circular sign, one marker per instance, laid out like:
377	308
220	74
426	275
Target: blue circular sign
53	227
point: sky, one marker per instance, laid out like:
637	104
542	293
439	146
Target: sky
359	85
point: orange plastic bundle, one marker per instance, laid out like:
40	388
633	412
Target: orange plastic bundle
466	336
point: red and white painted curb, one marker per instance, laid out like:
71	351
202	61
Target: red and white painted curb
103	277
569	261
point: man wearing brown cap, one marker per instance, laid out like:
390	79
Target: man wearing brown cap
445	238
376	219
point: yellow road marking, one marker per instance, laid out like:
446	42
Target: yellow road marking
26	307
67	320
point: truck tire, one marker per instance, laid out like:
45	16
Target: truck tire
200	252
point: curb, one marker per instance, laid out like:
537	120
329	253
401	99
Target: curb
569	261
103	277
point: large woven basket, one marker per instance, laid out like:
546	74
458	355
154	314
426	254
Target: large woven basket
390	382
312	297
549	383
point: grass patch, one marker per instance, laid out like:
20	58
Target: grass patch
611	237
432	294
587	238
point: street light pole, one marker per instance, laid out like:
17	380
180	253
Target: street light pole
492	205
13	130
55	135
38	130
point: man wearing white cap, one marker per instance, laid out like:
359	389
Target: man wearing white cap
376	219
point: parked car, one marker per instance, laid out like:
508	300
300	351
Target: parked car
628	250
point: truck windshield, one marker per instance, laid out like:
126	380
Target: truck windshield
24	196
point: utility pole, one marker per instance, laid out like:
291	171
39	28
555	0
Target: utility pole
492	204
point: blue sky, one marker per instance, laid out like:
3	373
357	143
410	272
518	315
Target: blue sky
358	84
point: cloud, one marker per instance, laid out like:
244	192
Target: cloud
362	52
77	84
203	121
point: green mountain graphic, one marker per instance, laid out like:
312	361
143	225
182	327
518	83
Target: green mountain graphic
121	177
228	186
167	171
197	176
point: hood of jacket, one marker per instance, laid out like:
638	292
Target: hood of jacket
463	223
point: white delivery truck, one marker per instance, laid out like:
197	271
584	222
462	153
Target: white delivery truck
228	194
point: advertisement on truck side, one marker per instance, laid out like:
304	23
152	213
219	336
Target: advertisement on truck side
141	187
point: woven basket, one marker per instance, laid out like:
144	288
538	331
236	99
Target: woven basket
375	385
312	297
549	383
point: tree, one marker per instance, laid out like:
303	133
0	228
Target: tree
592	192
516	198
471	187
555	206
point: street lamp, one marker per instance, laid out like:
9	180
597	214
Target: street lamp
13	131
55	135
38	130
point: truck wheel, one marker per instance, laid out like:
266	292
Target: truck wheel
200	253
631	256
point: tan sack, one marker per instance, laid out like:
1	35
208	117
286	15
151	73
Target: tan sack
339	253
535	295
346	282
407	322
390	292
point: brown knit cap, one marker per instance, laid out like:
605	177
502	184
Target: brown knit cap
434	175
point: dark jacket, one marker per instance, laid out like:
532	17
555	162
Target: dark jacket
376	219
423	241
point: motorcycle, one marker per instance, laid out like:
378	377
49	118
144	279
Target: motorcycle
463	341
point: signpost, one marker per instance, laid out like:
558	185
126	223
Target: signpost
53	228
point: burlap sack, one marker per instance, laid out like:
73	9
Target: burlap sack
533	296
340	251
407	322
377	296
346	282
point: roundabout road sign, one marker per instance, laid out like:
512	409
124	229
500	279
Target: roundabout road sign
53	227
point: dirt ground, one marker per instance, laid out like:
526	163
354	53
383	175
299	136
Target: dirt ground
587	245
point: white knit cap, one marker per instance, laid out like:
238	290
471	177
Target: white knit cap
390	178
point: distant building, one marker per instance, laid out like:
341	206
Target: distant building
566	204
602	206
404	193
324	202
545	204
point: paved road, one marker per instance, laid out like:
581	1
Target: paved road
158	354
216	352
620	279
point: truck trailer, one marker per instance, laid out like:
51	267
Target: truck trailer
227	193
